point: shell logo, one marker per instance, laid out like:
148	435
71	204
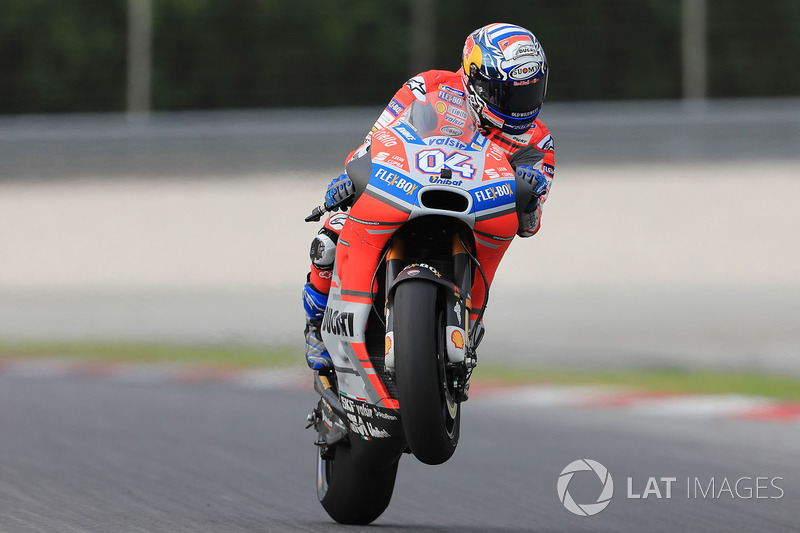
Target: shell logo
458	339
387	346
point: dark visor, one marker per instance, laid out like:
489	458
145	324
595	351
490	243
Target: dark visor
512	100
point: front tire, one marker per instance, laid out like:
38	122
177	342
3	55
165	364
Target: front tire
431	416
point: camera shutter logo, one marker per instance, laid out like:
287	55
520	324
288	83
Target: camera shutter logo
585	509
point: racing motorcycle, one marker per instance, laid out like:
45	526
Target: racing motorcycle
436	206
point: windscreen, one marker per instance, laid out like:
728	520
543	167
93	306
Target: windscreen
434	118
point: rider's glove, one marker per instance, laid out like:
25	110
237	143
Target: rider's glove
538	180
340	189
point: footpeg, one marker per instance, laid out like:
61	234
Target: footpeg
313	417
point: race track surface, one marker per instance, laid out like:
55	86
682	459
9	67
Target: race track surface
85	454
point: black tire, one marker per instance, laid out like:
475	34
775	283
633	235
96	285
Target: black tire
354	490
431	417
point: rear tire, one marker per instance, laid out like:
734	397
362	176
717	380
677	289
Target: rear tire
353	489
431	416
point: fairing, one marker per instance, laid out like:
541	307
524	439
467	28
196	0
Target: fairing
432	147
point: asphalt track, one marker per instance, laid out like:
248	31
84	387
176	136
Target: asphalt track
84	454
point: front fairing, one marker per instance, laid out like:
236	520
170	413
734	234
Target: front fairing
421	165
432	148
424	150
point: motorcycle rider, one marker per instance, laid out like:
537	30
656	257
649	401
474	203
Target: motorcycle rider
504	76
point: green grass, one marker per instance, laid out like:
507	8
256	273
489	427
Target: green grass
652	379
242	356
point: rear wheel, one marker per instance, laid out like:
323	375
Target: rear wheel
431	416
353	490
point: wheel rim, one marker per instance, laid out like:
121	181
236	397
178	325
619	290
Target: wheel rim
324	468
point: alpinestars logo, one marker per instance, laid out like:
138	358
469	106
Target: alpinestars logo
585	509
417	86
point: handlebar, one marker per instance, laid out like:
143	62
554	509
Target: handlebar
316	214
320	210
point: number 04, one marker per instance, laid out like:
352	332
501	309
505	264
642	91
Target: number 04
432	161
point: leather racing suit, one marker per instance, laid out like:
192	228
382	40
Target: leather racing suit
533	148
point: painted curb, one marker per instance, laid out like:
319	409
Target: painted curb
636	402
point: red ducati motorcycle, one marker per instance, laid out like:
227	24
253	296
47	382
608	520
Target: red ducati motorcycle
436	208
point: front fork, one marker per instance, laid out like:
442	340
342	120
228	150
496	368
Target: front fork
461	356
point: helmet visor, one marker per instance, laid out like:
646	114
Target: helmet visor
512	100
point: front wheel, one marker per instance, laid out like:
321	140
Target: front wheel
431	416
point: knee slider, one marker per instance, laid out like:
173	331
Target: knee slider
323	252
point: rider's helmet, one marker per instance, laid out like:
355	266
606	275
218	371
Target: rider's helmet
505	76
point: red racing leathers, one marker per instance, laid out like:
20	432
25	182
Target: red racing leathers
533	148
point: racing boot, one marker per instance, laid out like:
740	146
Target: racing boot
317	355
